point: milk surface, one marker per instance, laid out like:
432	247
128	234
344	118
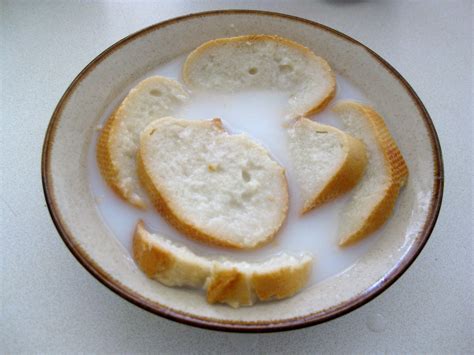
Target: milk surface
259	114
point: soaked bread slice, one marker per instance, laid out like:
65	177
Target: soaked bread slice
263	62
327	161
117	145
374	198
230	282
167	262
219	188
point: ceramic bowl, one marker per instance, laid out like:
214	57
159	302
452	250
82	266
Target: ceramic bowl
73	209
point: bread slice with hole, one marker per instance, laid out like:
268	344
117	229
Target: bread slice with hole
327	161
374	198
235	283
215	187
117	145
263	62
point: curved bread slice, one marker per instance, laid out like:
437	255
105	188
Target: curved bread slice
218	188
263	62
117	146
327	161
233	283
164	261
374	198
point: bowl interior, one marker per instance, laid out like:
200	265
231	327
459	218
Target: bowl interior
74	210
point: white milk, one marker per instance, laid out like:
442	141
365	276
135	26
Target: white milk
260	115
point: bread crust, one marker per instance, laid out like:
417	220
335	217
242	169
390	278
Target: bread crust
164	205
394	163
348	173
317	106
231	283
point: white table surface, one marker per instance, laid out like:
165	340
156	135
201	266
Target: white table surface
51	304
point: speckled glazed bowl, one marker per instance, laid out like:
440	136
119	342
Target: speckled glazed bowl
73	209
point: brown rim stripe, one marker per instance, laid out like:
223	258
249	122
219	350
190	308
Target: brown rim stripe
216	324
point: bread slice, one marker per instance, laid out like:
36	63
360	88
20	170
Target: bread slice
374	198
327	162
164	261
263	62
230	282
219	188
117	145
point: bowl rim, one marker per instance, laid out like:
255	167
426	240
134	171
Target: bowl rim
242	326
